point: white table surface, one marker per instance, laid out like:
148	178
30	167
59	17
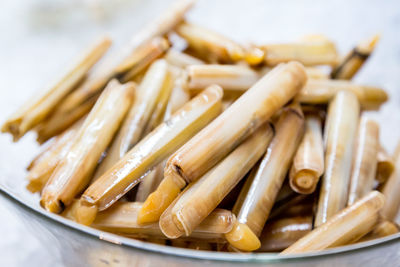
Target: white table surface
38	38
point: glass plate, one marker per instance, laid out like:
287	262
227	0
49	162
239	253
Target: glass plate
46	35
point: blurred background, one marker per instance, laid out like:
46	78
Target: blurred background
39	38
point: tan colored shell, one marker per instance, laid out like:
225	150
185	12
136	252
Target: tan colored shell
224	133
281	233
121	218
150	151
210	45
364	160
320	91
229	77
355	59
180	59
74	171
308	53
35	111
204	195
339	138
156	83
47	162
345	227
385	166
308	163
391	190
272	171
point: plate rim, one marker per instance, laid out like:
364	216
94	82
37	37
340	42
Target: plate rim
131	243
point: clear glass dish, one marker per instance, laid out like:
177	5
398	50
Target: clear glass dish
53	38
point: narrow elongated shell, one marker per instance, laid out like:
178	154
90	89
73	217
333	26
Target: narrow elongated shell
280	234
204	196
339	137
345	227
35	111
149	152
74	171
364	160
308	163
391	190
